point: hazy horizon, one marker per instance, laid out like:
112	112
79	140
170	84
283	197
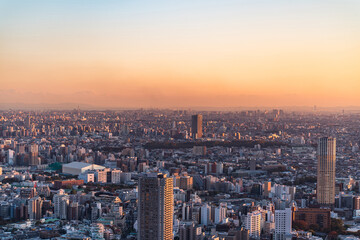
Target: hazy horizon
180	54
86	107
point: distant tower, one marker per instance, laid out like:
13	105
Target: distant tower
196	126
34	154
155	207
326	171
28	121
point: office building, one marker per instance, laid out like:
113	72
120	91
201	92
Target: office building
196	126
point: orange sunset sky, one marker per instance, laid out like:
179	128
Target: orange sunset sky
180	53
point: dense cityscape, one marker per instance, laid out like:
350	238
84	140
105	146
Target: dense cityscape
179	120
179	174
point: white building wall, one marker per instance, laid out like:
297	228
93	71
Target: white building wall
283	223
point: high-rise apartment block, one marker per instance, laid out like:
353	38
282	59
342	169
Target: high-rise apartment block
253	224
155	207
283	224
35	208
326	171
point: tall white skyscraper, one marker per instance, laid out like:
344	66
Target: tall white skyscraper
283	223
326	158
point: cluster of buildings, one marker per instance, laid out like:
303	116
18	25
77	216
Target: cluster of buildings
163	174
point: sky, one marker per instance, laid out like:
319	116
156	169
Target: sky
180	53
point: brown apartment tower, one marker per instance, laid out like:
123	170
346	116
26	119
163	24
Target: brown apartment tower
155	207
326	158
196	126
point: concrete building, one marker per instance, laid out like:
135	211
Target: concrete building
314	216
326	171
186	182
267	189
189	231
35	208
73	211
196	126
283	223
61	203
155	207
205	214
34	155
116	176
253	224
220	213
87	176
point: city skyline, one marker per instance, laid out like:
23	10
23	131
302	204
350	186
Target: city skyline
118	54
180	120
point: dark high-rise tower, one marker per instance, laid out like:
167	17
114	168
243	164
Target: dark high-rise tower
155	207
326	158
196	126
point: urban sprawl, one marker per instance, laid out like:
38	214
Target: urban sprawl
179	174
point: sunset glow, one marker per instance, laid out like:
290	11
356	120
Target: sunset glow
180	53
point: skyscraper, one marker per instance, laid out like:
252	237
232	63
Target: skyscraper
283	223
326	171
155	207
196	126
